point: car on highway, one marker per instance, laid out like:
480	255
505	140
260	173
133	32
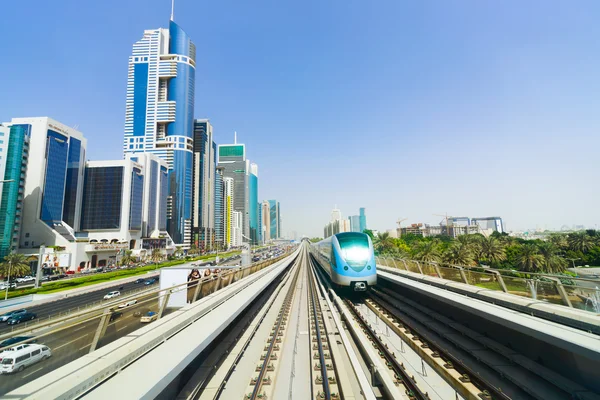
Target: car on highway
10	314
18	360
149	317
139	280
16	339
151	281
111	295
12	285
17	319
128	303
25	279
114	315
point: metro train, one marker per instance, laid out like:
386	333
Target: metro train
348	259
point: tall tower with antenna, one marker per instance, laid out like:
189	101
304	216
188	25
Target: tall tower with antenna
159	114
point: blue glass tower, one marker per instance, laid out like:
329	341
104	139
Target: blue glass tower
253	220
160	115
362	219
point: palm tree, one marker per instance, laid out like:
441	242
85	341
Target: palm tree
559	240
128	257
459	254
552	262
580	241
193	250
15	264
492	249
178	251
383	243
156	255
529	258
428	251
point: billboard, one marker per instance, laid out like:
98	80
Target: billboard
170	277
56	260
149	244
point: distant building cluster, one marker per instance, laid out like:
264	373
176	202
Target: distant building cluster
337	224
173	187
454	226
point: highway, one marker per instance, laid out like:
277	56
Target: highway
54	308
70	344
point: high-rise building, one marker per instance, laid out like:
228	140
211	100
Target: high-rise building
54	186
260	224
14	155
274	219
253	220
266	221
219	210
362	219
228	196
236	229
354	223
232	158
203	204
159	115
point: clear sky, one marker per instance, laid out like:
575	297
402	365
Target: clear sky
407	108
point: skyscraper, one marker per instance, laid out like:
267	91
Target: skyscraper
14	155
266	221
159	115
354	223
253	221
232	158
219	209
362	219
274	219
228	196
203	204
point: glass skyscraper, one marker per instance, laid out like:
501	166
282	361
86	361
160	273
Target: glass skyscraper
253	219
232	159
203	204
160	115
14	150
362	219
274	219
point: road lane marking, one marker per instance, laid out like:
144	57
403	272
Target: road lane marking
72	341
33	372
80	328
84	347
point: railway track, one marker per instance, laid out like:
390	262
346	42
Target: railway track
469	359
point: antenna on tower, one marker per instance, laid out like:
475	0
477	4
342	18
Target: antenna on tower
172	9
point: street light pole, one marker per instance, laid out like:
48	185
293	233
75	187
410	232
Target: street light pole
8	279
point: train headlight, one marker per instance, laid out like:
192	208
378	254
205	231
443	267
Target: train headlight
368	267
346	268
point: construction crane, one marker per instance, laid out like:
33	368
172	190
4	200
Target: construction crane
447	226
399	222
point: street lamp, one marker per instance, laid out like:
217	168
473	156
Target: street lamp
8	279
573	260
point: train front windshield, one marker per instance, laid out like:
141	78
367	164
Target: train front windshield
355	248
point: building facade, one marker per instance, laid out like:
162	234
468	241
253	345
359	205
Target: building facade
266	221
362	219
219	209
354	223
203	199
236	229
159	115
253	219
229	195
232	159
274	219
14	156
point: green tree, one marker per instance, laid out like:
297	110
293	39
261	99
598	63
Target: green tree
370	233
459	254
128	257
14	265
529	258
383	243
581	241
315	239
492	250
559	241
553	263
428	251
156	256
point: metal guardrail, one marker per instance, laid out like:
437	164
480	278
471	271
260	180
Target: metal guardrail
202	287
584	294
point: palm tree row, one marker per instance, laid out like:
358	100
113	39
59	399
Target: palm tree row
497	250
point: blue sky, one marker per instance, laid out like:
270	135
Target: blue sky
406	108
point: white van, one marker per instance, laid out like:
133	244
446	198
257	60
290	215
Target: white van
16	361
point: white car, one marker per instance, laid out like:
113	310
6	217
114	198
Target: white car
128	303
149	317
25	279
16	361
111	295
